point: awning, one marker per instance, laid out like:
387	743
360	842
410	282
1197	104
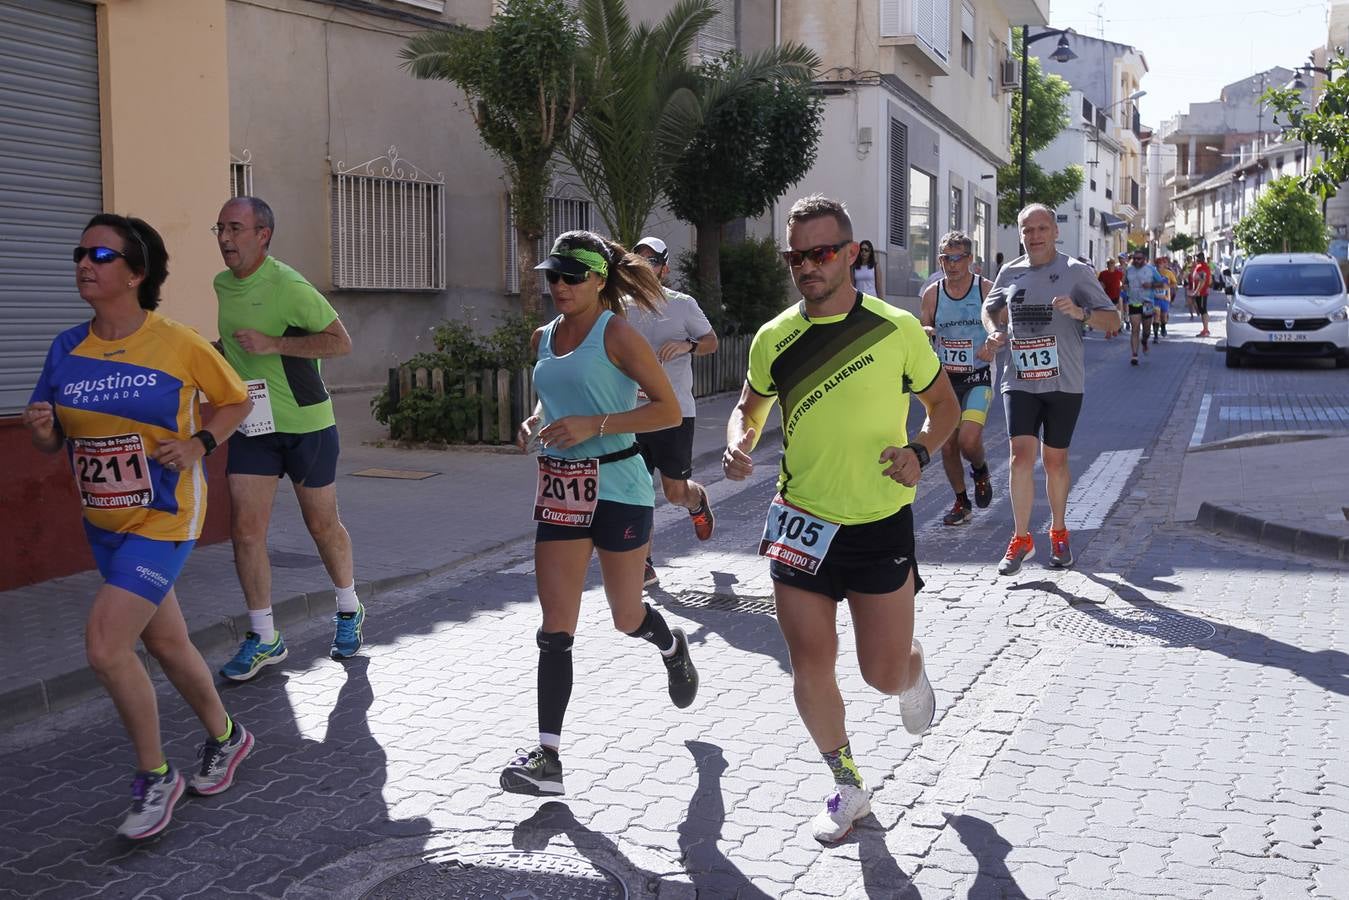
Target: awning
1111	223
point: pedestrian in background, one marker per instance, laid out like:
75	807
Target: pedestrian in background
865	276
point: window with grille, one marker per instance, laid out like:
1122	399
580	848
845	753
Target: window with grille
967	37
719	36
388	227
899	183
241	175
564	214
957	211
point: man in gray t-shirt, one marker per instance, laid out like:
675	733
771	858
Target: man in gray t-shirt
677	332
1034	314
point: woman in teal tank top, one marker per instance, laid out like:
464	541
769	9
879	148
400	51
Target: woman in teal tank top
594	492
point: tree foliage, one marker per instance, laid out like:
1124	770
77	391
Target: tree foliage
1181	242
1045	118
1324	124
521	80
1283	219
750	132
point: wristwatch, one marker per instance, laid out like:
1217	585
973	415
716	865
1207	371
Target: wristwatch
693	343
207	440
919	451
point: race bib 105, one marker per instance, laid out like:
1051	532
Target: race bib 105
796	538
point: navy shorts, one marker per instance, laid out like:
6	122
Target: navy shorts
670	450
1054	413
615	527
872	558
309	459
141	565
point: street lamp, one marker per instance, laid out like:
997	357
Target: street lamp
1062	53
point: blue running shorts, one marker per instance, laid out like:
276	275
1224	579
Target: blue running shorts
143	566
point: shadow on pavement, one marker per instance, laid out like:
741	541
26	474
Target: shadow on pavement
881	875
990	849
712	873
555	818
750	632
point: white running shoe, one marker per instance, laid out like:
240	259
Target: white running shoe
918	705
842	809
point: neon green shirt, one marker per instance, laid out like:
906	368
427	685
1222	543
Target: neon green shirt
277	301
844	384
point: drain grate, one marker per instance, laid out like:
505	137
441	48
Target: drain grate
450	875
1133	627
762	606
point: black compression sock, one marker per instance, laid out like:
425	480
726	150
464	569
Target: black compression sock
654	629
555	679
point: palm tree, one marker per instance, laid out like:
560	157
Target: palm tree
520	76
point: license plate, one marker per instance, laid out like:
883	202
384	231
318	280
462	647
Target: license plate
1279	337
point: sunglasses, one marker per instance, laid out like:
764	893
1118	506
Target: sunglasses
820	255
952	257
555	276
100	255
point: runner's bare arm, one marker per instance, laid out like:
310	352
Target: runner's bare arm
743	431
182	454
927	312
525	434
331	342
43	427
943	415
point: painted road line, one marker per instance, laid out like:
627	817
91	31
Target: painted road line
1099	488
1201	422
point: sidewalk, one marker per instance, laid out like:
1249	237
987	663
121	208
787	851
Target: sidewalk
418	513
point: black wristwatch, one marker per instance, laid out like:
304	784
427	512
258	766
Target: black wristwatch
919	451
207	440
693	342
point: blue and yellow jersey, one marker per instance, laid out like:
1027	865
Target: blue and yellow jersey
116	401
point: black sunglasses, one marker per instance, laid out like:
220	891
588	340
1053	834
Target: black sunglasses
100	255
555	276
820	255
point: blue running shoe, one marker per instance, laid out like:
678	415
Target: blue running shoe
347	637
253	655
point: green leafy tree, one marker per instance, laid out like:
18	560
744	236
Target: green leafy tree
1045	118
755	126
1283	219
520	77
1324	124
631	74
1180	243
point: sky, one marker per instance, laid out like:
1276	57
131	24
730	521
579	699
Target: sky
1194	47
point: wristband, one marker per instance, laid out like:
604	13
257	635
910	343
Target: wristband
919	451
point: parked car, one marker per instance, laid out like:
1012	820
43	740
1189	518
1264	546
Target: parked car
1289	304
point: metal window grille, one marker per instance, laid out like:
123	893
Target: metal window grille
388	224
719	36
564	214
241	175
899	183
957	211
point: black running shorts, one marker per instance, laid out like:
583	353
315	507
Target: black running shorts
616	527
670	450
1051	416
873	558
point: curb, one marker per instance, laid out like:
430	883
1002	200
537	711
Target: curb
41	697
1262	439
1301	541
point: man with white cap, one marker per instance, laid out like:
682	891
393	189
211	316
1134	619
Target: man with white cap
677	332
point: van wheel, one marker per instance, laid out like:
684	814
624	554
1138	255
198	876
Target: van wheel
1233	359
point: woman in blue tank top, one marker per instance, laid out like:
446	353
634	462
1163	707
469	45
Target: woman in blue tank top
594	491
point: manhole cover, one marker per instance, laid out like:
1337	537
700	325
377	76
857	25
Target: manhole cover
727	602
1133	627
503	875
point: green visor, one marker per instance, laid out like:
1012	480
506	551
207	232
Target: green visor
570	259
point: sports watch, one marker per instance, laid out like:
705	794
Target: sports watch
919	451
207	440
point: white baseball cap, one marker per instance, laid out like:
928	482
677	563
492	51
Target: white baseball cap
655	244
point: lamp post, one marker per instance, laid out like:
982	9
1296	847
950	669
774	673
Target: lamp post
1062	53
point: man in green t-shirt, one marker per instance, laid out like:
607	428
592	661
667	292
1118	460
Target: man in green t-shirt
843	365
274	329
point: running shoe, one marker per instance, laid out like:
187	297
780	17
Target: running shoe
959	514
1133	361
983	488
1145	346
679	669
1060	554
649	576
918	705
253	655
1019	549
842	809
152	800
537	772
347	633
1204	333
703	520
219	760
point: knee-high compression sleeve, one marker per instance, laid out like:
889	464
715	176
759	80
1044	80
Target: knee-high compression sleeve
555	678
654	629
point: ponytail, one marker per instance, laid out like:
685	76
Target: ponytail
629	276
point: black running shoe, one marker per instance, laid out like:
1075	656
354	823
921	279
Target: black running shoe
983	488
679	667
537	772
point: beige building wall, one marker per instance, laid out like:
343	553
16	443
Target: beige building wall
164	100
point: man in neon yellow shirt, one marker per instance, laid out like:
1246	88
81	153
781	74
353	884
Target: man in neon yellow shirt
843	365
274	329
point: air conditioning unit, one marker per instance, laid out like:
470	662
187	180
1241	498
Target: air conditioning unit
1009	78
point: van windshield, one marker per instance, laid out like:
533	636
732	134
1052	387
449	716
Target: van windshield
1290	279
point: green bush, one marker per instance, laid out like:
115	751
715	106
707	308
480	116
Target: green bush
424	416
755	284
